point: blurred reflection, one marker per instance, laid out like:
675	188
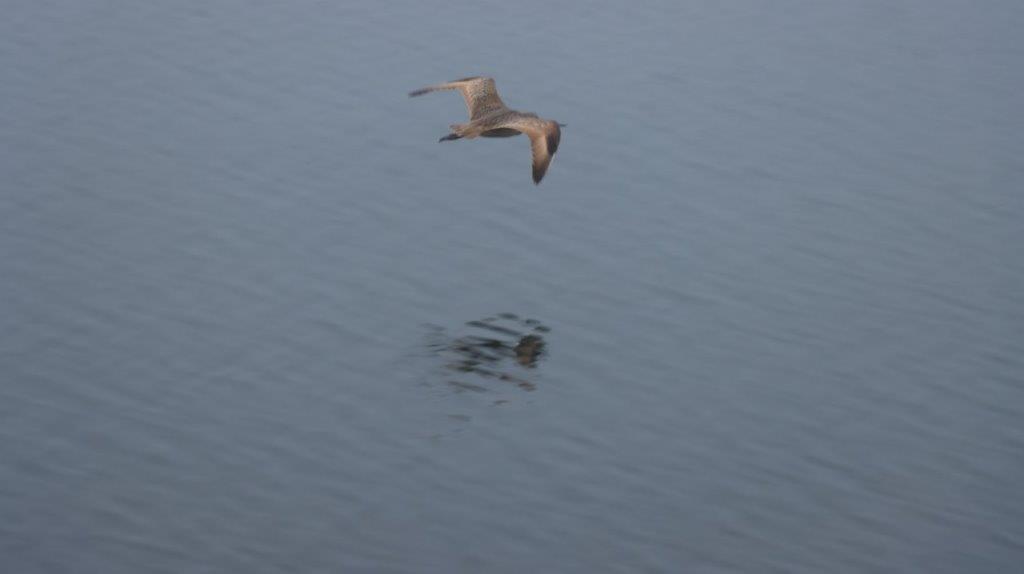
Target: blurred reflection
493	348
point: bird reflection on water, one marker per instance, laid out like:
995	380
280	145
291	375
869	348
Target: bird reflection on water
500	348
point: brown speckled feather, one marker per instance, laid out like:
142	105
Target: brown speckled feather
481	95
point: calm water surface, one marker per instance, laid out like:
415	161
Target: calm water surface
764	314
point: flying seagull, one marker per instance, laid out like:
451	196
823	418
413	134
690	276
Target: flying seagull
490	118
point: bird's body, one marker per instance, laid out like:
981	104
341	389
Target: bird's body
490	117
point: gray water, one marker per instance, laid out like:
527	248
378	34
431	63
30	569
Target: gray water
764	314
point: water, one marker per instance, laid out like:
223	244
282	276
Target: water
247	298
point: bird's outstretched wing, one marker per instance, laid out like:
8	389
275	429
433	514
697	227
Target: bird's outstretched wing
480	94
543	148
544	137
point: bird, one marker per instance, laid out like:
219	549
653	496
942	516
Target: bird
489	117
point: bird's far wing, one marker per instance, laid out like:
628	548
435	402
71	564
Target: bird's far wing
481	95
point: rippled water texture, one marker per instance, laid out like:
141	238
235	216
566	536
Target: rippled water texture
765	313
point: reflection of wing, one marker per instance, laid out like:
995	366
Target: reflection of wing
481	95
528	350
484	356
544	138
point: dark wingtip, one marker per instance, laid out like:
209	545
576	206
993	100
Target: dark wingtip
553	143
420	92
